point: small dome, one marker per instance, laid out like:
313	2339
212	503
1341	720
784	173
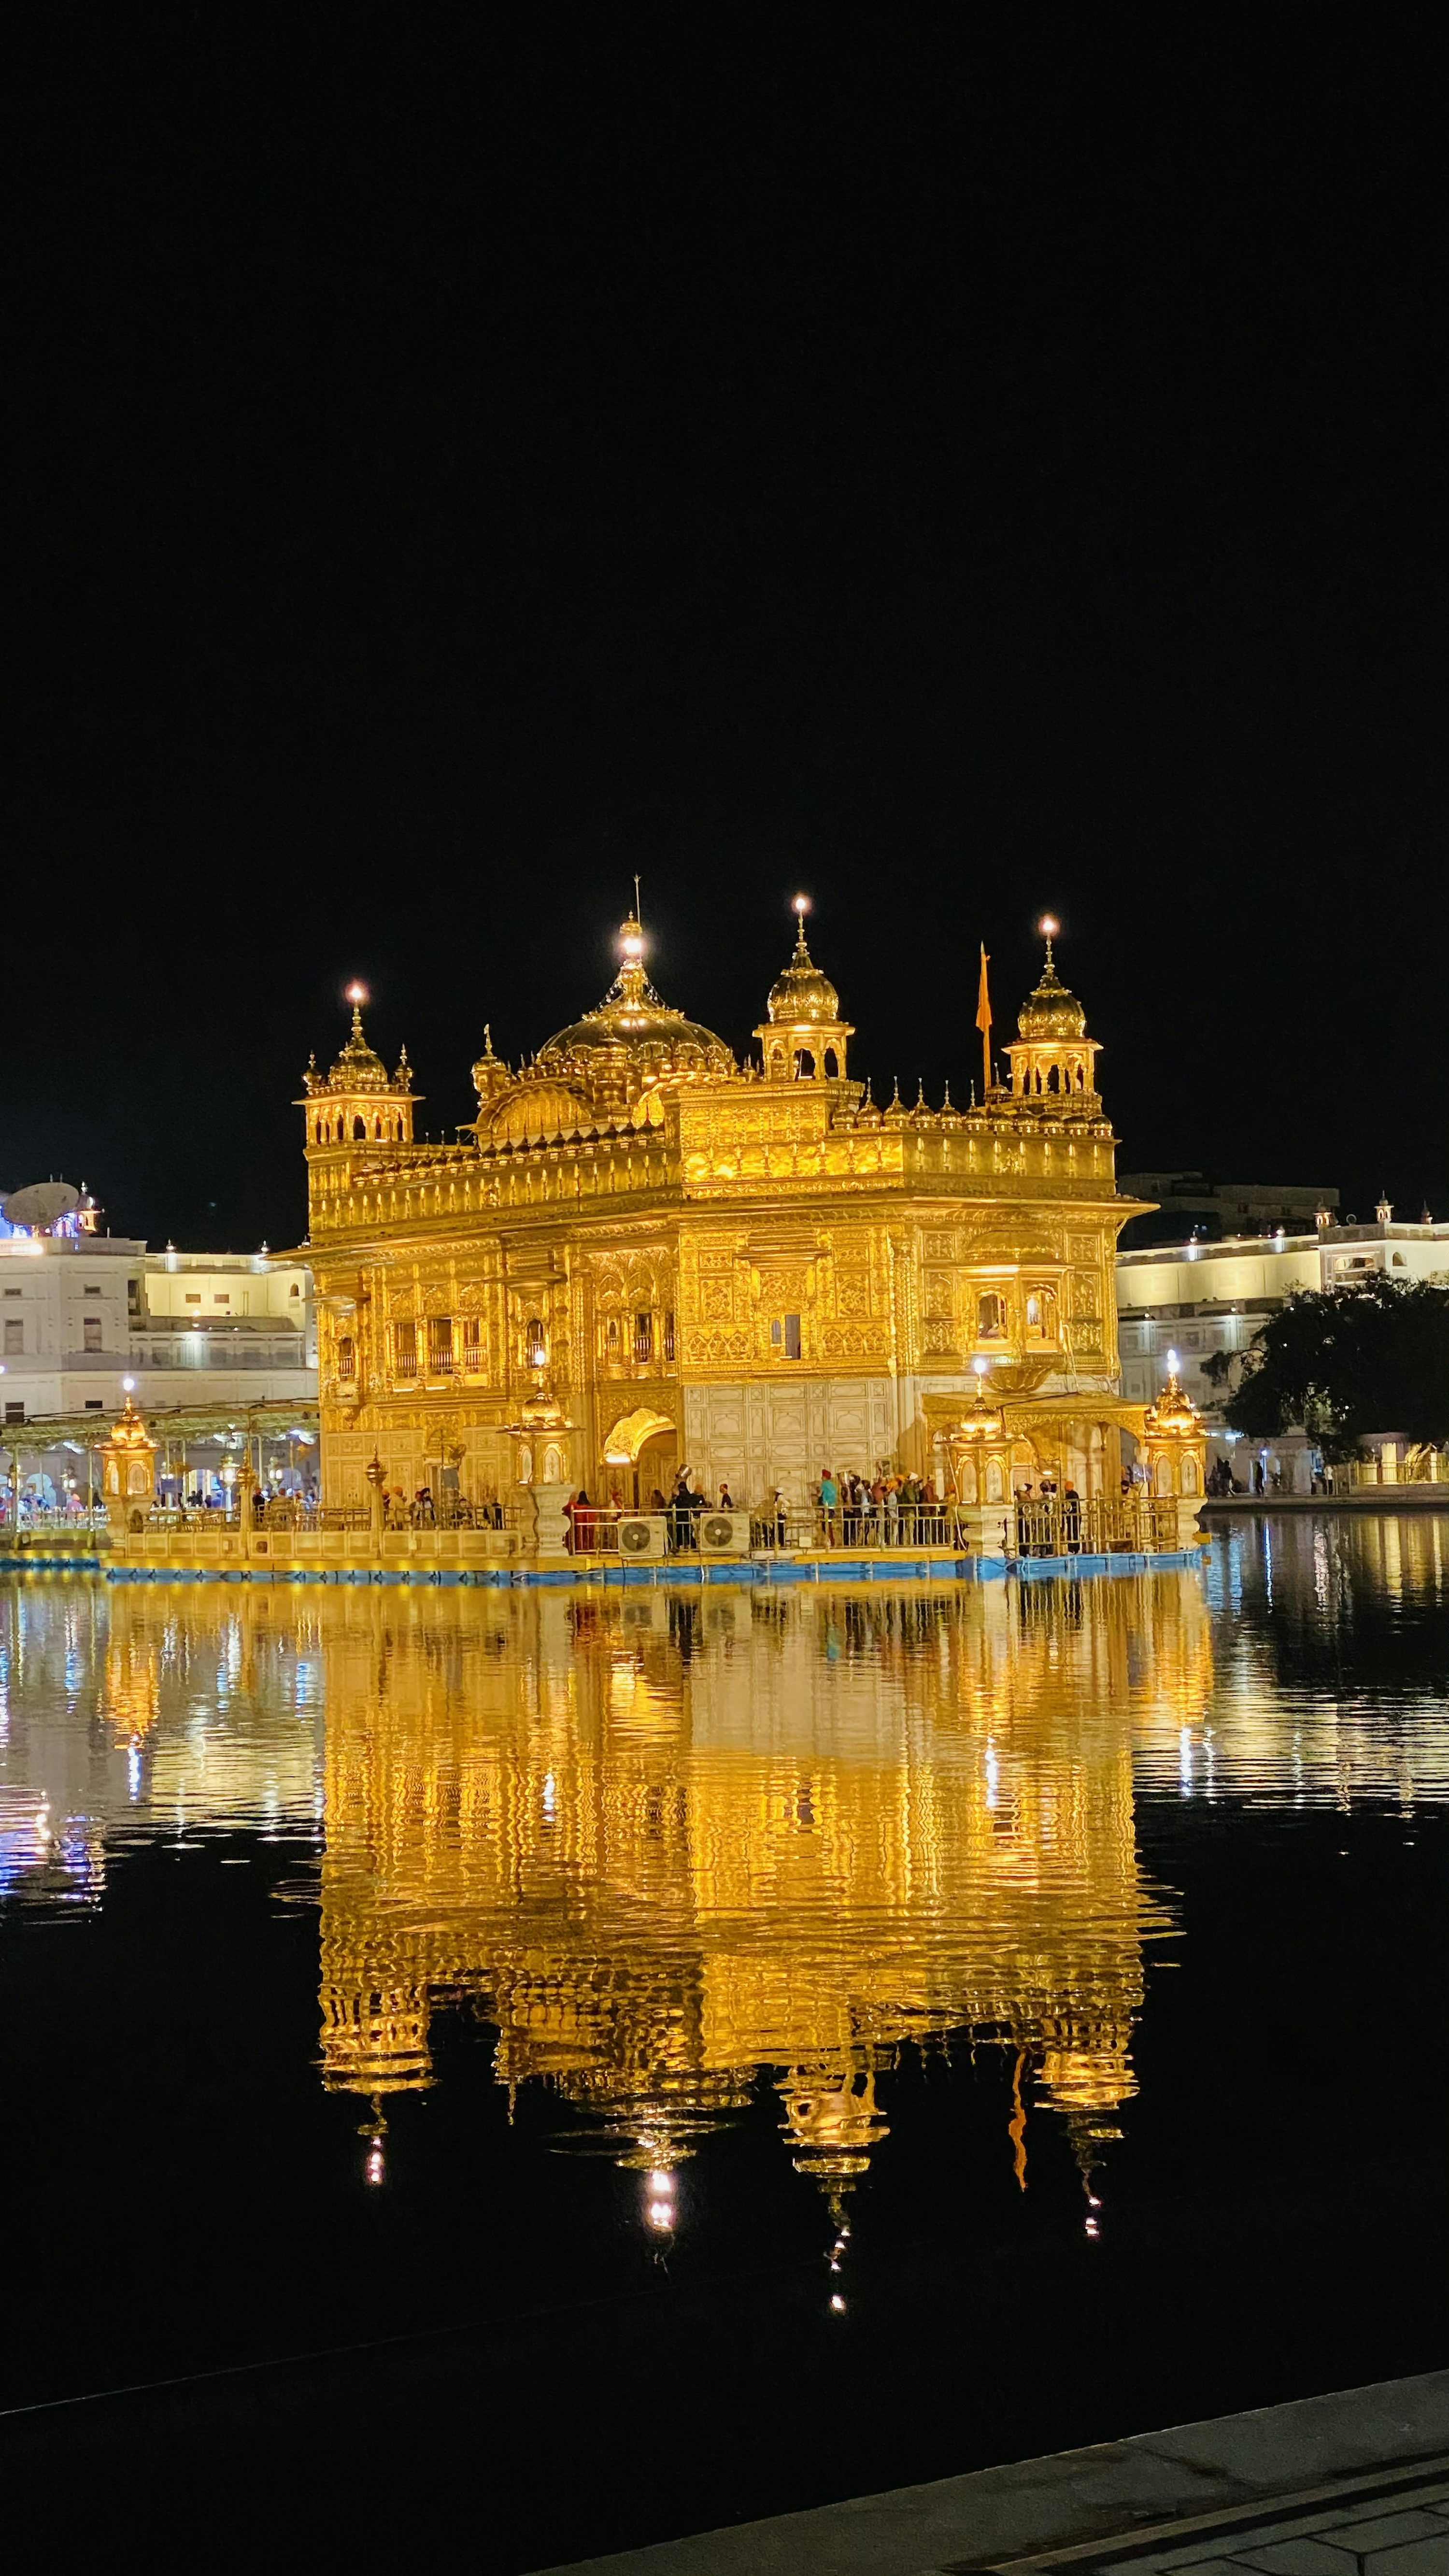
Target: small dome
358	1068
532	1113
802	995
1051	1011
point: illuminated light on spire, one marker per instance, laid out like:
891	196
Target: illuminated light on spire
356	993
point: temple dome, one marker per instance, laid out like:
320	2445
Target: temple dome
802	995
358	1067
1051	1011
632	1032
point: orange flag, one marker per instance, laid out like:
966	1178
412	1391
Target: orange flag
983	1019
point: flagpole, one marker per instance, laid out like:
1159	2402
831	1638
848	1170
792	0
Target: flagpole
983	1022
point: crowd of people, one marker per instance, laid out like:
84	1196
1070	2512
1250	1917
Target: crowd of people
883	1510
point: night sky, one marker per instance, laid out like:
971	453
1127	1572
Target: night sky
956	466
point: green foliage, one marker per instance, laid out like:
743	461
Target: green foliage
1372	1356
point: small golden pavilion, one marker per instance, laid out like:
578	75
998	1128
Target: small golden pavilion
749	1270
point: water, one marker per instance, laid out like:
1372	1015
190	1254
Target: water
645	2060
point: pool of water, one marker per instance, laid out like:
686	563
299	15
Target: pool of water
615	2065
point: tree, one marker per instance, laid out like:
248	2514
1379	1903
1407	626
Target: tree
1371	1356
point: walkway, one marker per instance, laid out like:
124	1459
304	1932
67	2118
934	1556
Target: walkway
1356	2484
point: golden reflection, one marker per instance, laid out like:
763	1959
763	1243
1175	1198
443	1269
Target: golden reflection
682	1849
668	1846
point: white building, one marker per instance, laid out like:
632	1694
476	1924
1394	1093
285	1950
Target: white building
80	1313
1199	1298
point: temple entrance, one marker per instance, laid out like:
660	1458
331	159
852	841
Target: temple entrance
655	1469
641	1457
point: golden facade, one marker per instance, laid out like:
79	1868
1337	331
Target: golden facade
752	1270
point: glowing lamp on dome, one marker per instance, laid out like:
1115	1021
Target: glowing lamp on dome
1049	925
981	1366
1172	1363
128	1386
800	904
632	943
357	992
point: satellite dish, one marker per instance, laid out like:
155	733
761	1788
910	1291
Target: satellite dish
41	1203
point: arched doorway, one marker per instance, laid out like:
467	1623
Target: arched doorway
641	1453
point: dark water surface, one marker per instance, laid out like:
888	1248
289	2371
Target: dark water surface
642	2062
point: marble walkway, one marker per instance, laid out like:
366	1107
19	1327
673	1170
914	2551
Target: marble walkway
1353	2484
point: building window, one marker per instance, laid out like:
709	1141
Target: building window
1041	1315
12	1292
405	1347
296	1289
90	1292
535	1348
346	1356
14	1334
91	1328
440	1346
473	1344
193	1296
785	1336
990	1316
644	1337
669	1337
95	1404
14	1412
611	1338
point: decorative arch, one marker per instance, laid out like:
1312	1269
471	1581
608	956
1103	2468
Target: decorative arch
631	1431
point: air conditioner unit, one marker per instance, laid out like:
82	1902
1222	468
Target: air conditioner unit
642	1537
724	1533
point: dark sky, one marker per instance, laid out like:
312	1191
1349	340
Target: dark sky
954	465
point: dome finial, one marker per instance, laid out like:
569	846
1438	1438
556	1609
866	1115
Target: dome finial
1050	929
356	994
800	905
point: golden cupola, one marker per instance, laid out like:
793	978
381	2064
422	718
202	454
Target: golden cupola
804	1037
359	1101
1053	1061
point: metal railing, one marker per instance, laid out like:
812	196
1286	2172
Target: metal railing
1092	1525
909	1527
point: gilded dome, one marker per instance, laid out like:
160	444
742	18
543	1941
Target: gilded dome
633	1032
1173	1416
802	996
533	1112
1051	1011
358	1068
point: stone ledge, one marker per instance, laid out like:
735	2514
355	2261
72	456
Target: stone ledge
1133	2492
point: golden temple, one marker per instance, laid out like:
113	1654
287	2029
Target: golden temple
751	1271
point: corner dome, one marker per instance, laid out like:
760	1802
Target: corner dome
1051	1011
358	1067
802	995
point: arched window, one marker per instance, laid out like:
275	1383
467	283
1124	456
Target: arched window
832	1064
359	1129
535	1347
804	1063
1054	1079
346	1356
990	1315
1041	1315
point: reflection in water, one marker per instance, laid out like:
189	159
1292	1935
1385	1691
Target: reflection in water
663	1846
669	1846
